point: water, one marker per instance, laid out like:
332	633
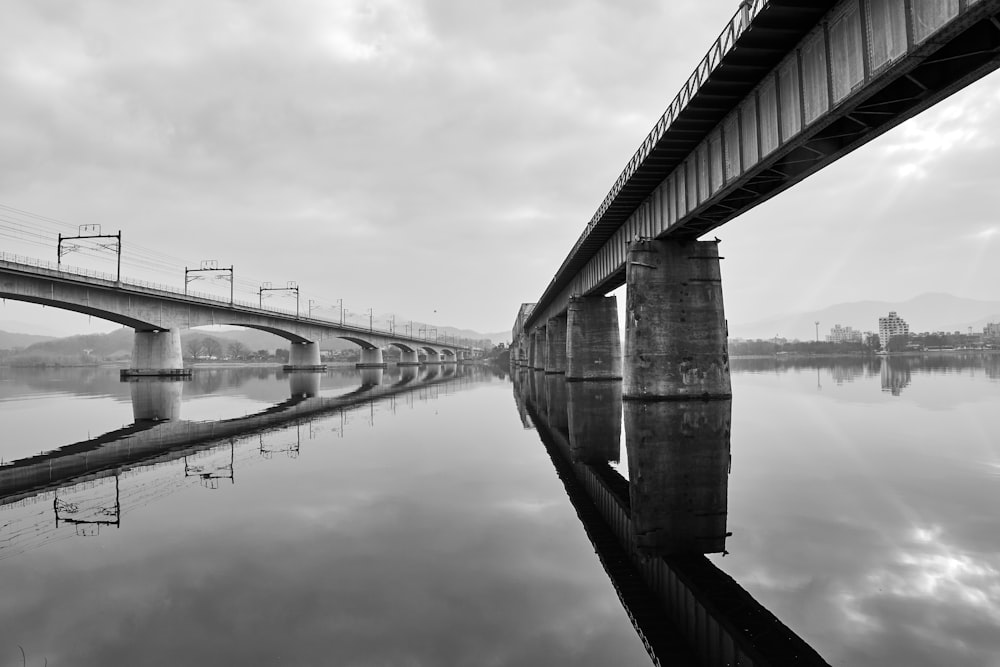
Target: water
452	516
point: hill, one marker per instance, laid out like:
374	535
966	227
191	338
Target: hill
13	341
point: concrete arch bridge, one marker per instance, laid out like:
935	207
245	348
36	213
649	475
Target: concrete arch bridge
158	315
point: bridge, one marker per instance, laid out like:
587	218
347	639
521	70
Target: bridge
789	87
158	314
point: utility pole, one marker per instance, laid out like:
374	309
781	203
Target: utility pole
91	232
291	286
210	266
817	331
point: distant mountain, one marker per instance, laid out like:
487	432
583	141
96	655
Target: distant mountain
12	341
933	311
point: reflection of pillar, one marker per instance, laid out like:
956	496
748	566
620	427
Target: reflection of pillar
156	353
595	420
304	383
555	338
678	461
555	400
408	358
303	356
371	357
156	399
538	391
408	374
593	345
675	326
371	377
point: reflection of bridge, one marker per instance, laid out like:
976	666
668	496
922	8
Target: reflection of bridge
651	534
157	437
158	315
787	89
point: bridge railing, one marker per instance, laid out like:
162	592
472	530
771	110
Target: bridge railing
57	269
722	45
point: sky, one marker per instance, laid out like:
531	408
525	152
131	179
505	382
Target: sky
433	160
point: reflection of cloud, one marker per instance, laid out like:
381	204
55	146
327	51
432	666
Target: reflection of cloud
928	590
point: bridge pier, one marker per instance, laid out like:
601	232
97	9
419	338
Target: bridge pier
371	357
540	347
555	345
675	327
303	356
593	346
157	353
408	358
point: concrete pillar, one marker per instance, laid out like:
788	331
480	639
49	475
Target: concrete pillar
304	357
422	357
304	384
408	358
555	345
595	421
156	399
678	462
371	357
593	345
449	358
675	327
531	349
156	353
540	350
371	376
459	356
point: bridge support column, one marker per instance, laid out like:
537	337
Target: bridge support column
156	353
675	327
555	345
540	347
593	346
303	356
422	357
408	358
371	357
459	356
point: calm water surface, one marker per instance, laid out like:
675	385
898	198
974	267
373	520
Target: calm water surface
428	517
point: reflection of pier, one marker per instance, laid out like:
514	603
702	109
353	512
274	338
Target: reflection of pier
152	440
651	534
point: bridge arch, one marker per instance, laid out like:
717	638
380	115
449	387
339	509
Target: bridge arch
85	309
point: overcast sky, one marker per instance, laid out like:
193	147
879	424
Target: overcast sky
421	156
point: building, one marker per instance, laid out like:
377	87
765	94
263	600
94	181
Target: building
992	330
839	334
890	326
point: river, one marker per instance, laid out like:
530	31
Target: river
453	516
